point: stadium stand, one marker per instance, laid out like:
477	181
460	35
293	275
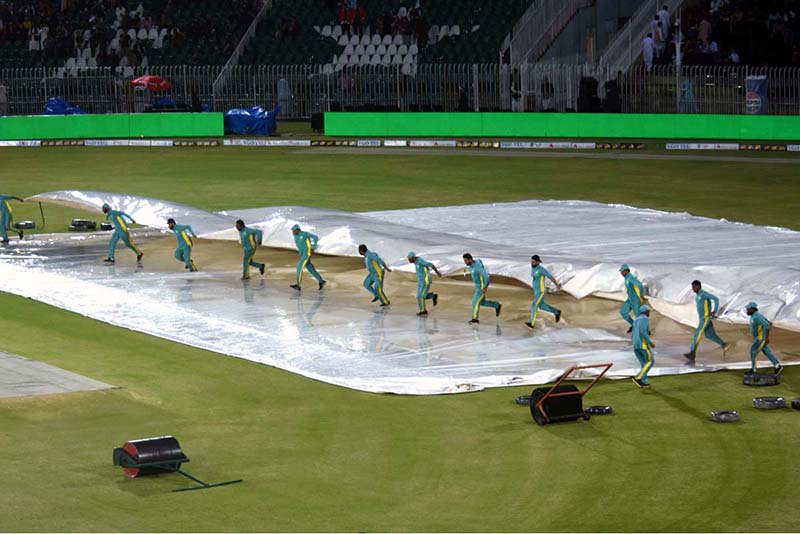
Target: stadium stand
723	32
381	32
81	34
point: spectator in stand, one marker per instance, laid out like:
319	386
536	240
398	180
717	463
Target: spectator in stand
421	28
659	40
664	16
648	50
734	57
388	24
3	100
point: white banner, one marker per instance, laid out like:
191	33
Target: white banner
369	142
449	143
702	146
793	148
395	142
21	143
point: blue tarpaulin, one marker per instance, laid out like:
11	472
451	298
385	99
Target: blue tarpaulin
59	106
252	121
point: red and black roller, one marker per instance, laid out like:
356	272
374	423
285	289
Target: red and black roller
151	450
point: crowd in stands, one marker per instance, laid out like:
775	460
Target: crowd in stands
90	33
728	32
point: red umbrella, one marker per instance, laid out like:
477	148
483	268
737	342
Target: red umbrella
154	83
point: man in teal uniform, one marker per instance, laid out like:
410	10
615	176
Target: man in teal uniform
7	217
538	274
642	345
707	308
635	298
759	329
251	239
481	280
424	282
306	243
377	270
183	235
118	219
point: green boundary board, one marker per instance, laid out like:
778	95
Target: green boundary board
112	126
565	125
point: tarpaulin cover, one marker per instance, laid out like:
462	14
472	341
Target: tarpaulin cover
251	121
59	106
334	337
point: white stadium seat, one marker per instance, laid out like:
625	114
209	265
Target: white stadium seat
402	50
142	35
354	40
413	50
152	35
387	40
408	59
391	50
360	50
344	59
326	31
364	60
353	60
336	32
70	64
348	50
386	60
376	39
455	30
398	39
344	40
366	40
376	60
91	63
381	50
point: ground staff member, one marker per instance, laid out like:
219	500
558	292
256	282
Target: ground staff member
183	235
759	329
538	274
377	270
306	243
707	308
424	281
642	345
481	280
121	231
7	216
635	298
251	239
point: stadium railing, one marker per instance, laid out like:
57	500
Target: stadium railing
430	87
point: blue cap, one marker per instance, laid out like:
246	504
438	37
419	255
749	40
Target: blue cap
105	205
751	305
624	267
644	308
411	255
295	227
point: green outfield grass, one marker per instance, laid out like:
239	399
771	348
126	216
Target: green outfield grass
316	457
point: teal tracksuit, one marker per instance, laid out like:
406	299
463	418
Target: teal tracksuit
641	346
635	299
306	243
374	280
538	275
705	310
759	326
251	239
118	219
481	280
6	216
423	282
183	235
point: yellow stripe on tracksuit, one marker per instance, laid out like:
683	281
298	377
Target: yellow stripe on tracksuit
480	299
308	257
8	207
646	367
635	288
122	224
706	319
761	338
425	289
186	238
380	282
